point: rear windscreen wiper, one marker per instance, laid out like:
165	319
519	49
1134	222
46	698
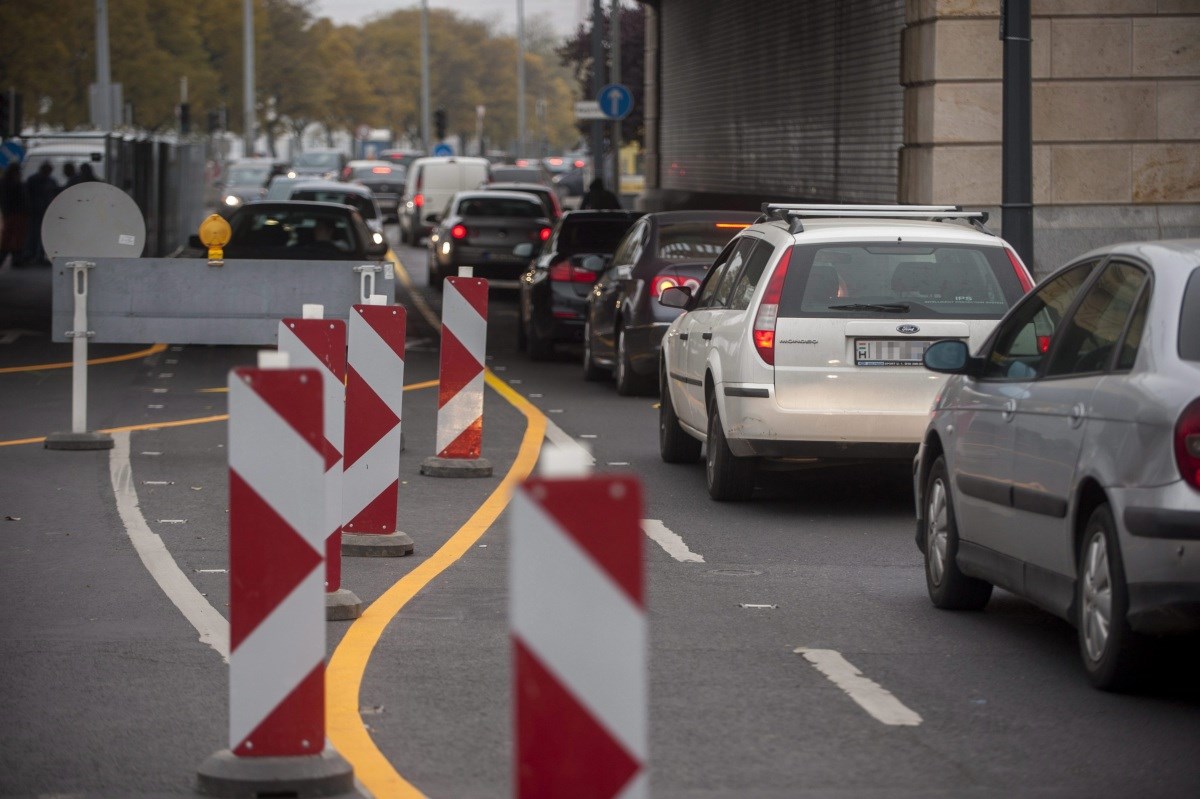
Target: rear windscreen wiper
883	307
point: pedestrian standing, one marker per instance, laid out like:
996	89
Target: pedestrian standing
598	197
14	207
68	174
42	187
86	175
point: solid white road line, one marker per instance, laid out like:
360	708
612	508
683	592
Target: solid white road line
671	543
212	626
870	695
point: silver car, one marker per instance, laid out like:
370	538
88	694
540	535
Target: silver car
1062	460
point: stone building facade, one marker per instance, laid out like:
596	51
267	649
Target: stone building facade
814	101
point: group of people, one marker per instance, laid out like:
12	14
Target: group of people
23	205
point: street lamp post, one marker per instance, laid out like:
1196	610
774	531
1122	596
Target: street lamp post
425	77
248	69
520	78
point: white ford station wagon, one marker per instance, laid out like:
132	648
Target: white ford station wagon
805	340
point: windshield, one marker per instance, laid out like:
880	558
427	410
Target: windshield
500	206
247	175
323	160
693	241
363	204
893	279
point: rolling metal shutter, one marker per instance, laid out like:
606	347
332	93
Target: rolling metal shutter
789	100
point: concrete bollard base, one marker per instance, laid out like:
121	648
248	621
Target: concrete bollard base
391	545
342	605
78	441
456	467
304	777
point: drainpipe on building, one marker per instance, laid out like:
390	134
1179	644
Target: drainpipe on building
1017	149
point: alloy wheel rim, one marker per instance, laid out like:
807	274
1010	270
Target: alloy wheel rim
1096	612
937	536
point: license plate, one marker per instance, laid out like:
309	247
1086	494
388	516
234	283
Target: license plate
889	352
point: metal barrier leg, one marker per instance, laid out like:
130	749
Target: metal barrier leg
80	438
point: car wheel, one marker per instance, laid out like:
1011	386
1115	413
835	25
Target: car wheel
674	445
729	478
1111	650
540	347
629	382
591	371
949	588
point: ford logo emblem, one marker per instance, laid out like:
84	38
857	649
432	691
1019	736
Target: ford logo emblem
908	330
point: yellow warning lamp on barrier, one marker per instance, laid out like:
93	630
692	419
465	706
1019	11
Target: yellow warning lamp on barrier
214	234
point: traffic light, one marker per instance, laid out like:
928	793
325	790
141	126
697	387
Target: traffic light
439	123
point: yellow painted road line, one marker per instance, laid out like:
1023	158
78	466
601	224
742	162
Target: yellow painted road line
418	299
130	356
343	677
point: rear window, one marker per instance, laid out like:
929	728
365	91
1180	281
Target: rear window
693	241
592	235
377	173
247	175
501	206
293	233
327	160
516	174
913	279
1189	322
364	205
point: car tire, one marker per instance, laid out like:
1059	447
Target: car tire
1110	649
728	477
540	347
629	382
674	445
591	371
949	588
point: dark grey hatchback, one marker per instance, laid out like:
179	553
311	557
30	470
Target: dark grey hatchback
625	323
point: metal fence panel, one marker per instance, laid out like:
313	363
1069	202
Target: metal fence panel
185	301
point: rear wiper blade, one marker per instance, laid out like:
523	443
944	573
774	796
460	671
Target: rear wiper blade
883	307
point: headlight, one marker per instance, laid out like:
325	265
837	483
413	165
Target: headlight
378	238
445	248
233	199
291	175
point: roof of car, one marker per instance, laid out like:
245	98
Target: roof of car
1183	252
495	195
331	185
676	217
848	229
362	163
512	185
284	205
600	213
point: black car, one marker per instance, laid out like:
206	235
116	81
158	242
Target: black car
295	230
480	229
624	322
545	195
386	182
554	289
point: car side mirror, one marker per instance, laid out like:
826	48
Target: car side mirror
676	297
523	250
950	357
625	272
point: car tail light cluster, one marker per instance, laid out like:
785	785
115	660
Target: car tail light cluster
566	273
1187	444
768	311
419	200
458	232
661	283
1019	268
544	234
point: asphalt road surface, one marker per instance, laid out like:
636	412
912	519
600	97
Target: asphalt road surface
109	691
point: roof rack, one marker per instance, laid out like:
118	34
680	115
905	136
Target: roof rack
794	213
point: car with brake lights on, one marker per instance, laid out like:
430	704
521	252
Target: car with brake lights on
1062	459
546	196
554	289
385	180
624	322
481	229
803	344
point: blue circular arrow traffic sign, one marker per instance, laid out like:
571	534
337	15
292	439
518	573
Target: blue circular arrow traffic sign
443	149
616	101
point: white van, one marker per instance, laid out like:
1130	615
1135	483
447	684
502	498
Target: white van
431	184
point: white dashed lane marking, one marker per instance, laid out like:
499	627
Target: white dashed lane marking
671	543
868	694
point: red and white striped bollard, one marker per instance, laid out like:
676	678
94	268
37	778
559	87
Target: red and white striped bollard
460	381
577	612
276	583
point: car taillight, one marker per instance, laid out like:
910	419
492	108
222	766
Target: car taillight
565	273
1187	444
346	173
1019	268
1043	344
768	311
458	232
661	283
544	234
419	200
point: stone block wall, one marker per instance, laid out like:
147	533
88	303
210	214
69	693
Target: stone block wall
1116	116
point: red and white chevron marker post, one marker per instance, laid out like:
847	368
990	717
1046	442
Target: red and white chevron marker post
374	401
460	388
316	343
578	624
277	458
